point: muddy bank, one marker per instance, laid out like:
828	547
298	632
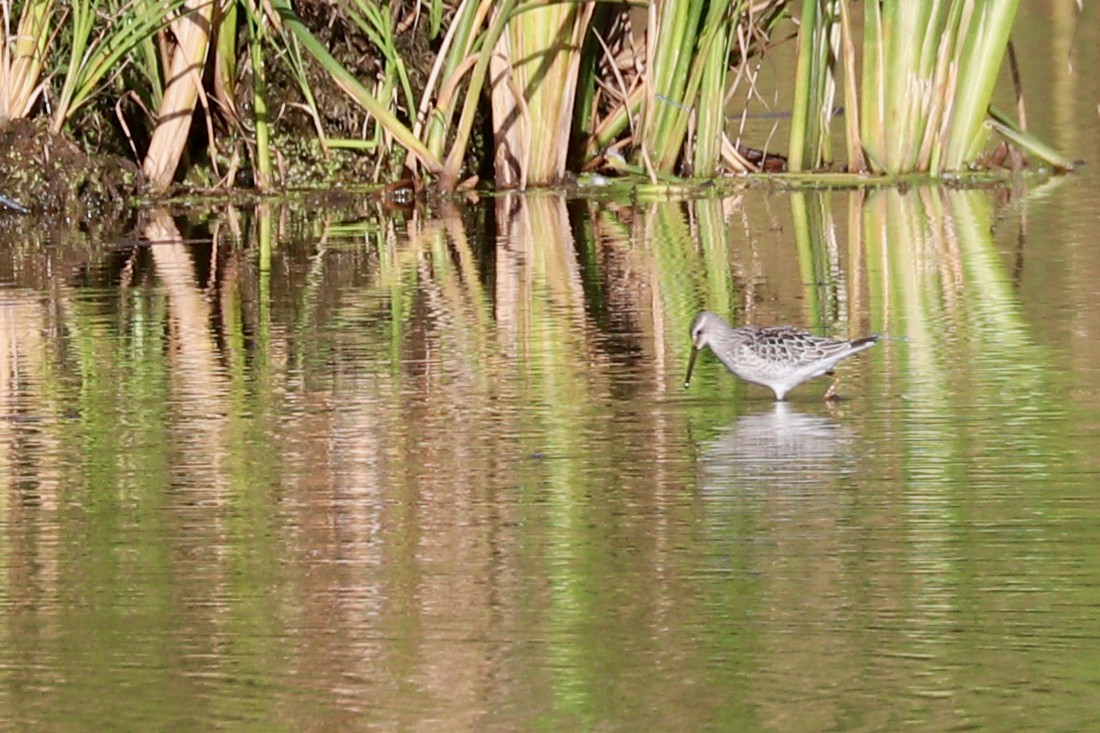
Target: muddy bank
91	172
58	182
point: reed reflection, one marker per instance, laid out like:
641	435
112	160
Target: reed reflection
365	457
941	435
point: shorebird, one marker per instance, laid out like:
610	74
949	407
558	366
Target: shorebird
779	358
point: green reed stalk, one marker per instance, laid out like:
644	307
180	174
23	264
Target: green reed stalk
702	46
929	68
260	117
448	176
584	110
533	107
815	86
613	125
376	23
146	60
710	118
984	40
226	58
853	142
872	136
92	60
906	81
1028	143
434	120
670	49
296	64
706	51
354	88
22	57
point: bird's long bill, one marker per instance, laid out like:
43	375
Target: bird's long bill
691	365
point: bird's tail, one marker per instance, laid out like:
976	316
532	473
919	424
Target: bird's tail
879	337
865	342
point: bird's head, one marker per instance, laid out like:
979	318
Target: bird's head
701	329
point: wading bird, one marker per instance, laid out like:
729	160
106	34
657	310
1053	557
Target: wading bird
779	358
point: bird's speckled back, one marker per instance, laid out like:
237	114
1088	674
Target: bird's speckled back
789	345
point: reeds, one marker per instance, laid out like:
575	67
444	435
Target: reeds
572	85
191	30
533	61
102	39
922	101
22	56
566	87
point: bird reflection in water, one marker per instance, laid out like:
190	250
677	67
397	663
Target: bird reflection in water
776	450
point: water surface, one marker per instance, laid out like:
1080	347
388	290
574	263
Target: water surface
300	468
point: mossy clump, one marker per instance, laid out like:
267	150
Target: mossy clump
53	177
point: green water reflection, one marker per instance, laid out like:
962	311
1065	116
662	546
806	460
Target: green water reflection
292	469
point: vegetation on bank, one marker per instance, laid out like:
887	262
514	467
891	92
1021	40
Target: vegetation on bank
231	93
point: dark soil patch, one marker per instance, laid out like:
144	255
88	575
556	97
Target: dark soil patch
56	180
